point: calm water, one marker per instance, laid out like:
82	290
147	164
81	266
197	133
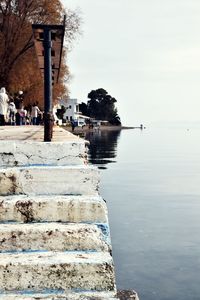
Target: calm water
151	181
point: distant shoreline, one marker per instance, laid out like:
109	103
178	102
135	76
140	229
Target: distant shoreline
101	128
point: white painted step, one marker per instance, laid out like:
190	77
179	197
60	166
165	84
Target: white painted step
55	270
25	153
61	296
72	296
62	180
52	237
58	208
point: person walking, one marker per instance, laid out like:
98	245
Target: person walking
3	106
18	100
35	111
73	125
12	112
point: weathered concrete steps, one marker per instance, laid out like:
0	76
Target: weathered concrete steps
29	153
49	295
49	180
56	270
59	295
58	208
52	237
54	232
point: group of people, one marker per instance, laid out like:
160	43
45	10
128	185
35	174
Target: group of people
13	112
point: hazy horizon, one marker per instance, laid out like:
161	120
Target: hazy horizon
146	54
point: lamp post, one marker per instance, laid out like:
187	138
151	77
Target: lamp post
48	114
48	41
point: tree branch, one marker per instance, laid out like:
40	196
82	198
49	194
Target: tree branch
28	45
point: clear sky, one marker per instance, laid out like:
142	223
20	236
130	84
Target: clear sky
145	53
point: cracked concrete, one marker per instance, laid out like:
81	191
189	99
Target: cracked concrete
121	295
52	237
21	208
28	271
63	296
61	180
54	233
21	153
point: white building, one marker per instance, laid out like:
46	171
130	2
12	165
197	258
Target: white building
72	111
71	106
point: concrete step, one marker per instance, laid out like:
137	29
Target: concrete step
28	153
52	237
121	295
21	208
61	296
62	180
92	271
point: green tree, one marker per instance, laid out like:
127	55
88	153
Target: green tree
60	112
83	108
101	106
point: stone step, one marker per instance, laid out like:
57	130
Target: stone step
62	296
38	180
55	270
21	208
68	295
28	153
52	237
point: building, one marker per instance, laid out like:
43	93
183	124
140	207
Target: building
72	112
72	109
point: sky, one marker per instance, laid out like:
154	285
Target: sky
145	53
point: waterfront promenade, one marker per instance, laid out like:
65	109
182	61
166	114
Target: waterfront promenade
55	240
34	133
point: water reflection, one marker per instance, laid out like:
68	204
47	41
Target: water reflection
103	147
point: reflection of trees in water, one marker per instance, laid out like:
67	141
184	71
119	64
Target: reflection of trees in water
103	146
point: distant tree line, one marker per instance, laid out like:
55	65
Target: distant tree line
101	106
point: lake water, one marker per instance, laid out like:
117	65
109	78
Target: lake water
151	182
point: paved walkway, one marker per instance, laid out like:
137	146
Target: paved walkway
34	133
